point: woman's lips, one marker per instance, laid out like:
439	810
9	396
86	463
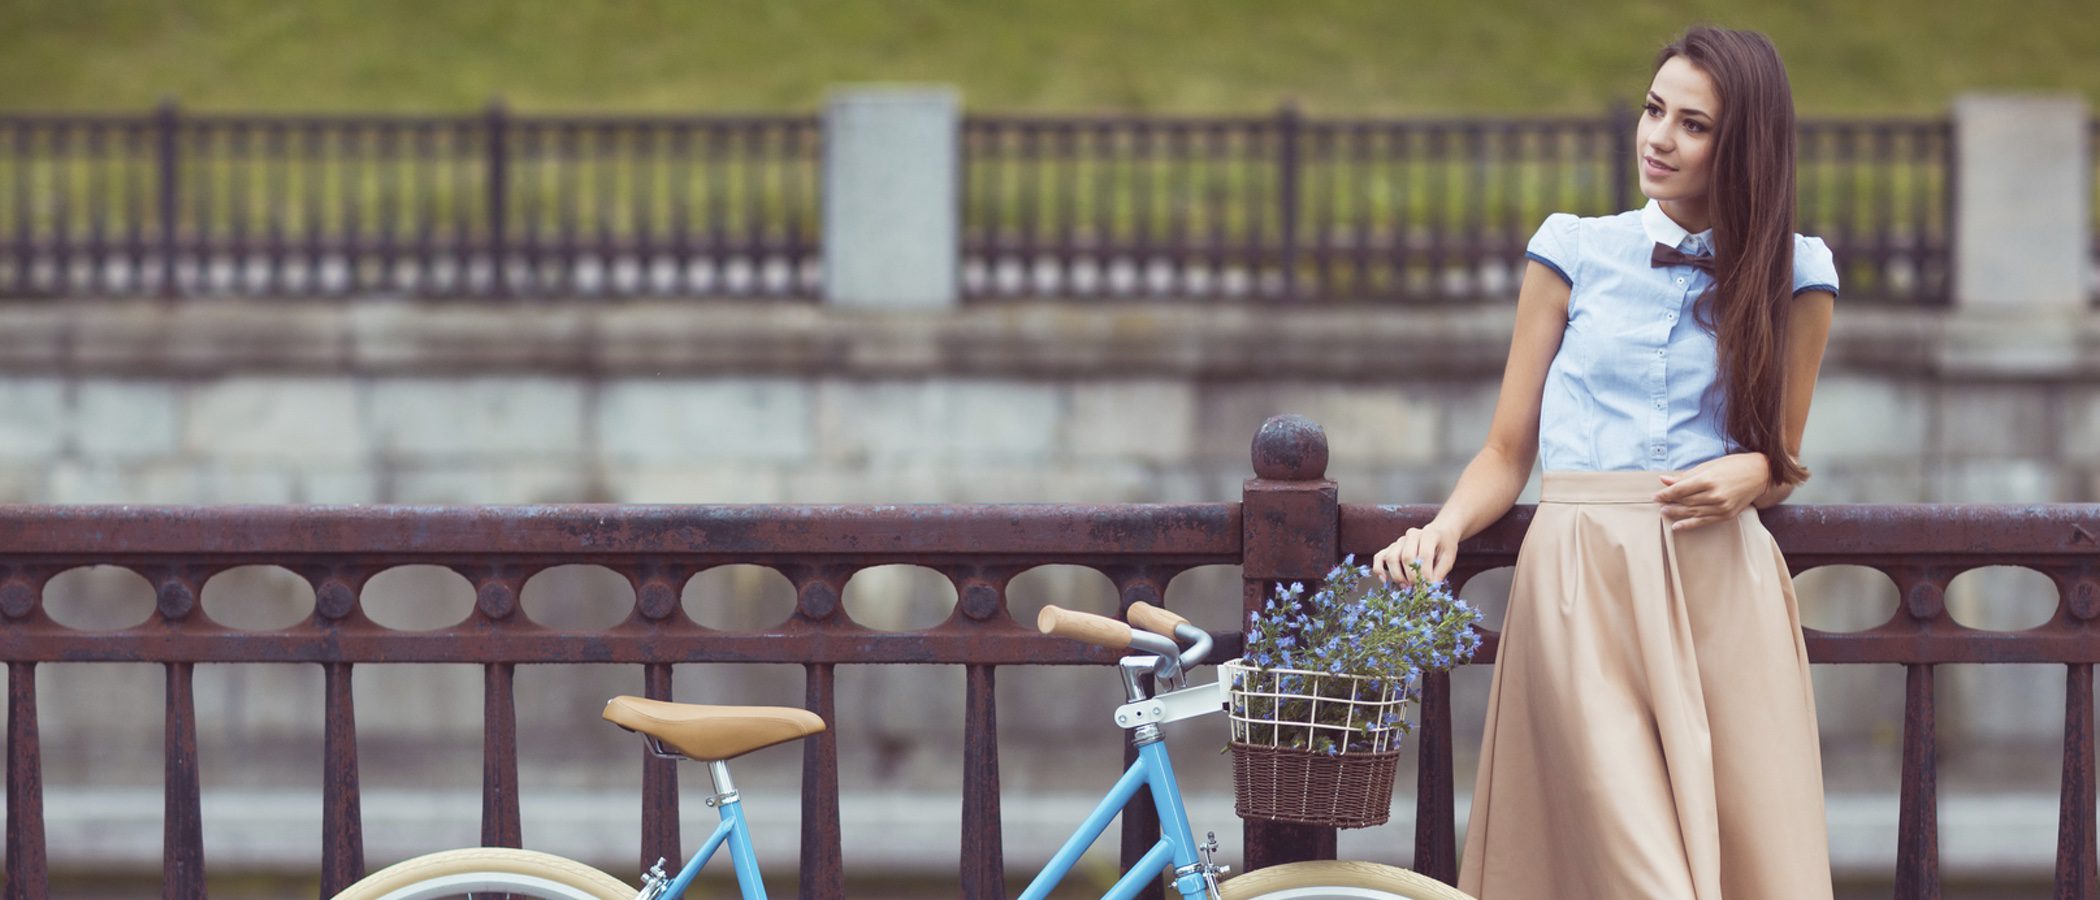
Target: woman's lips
1654	168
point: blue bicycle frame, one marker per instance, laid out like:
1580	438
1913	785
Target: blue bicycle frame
738	835
1154	770
1176	847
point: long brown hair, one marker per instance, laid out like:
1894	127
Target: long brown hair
1751	202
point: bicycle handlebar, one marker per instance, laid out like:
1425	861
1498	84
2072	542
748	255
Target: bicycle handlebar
1154	619
1101	631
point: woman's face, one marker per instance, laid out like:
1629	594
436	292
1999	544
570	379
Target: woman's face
1675	140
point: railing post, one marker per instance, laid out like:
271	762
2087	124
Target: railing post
892	207
166	125
1291	524
1289	129
2019	230
499	198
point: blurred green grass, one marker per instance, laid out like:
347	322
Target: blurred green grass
1335	57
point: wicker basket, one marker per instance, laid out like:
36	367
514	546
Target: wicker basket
1313	748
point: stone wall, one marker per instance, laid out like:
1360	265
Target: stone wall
391	402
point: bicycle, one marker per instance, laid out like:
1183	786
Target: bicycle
1166	646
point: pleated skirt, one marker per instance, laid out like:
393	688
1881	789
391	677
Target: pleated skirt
1651	729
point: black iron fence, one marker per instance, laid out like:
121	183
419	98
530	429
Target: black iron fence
500	205
179	204
1291	208
1287	526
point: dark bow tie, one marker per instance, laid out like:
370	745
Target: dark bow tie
1671	256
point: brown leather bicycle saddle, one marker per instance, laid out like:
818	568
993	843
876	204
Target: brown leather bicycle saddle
710	733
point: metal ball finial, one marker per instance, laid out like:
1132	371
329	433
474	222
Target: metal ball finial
1290	448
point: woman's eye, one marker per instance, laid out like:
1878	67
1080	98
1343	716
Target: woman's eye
1651	109
1694	127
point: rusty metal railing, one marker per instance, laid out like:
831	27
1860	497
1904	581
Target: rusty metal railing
1288	525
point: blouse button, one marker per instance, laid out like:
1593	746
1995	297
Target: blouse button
1680	281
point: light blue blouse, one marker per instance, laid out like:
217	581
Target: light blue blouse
1628	389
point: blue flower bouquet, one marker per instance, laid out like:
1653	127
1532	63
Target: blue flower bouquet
1318	701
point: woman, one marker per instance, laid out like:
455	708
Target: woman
1651	731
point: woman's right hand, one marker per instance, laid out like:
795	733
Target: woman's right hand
1431	545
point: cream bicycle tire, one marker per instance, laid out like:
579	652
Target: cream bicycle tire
501	870
1337	880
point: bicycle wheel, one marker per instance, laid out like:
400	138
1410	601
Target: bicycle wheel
490	871
1337	880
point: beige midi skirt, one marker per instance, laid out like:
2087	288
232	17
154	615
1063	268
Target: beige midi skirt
1651	730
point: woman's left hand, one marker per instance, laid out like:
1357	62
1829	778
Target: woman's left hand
1713	491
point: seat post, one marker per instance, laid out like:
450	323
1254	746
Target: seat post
725	789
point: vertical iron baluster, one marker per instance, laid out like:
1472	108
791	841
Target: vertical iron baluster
567	163
99	168
1437	157
1140	198
1917	839
681	166
313	185
1216	201
1288	127
497	191
386	171
1478	162
27	875
1884	160
717	168
342	816
1029	172
1436	841
18	147
136	160
604	155
423	165
499	758
276	198
182	836
1066	138
1180	200
355	158
1403	142
753	226
823	876
1107	161
983	856
1847	224
643	171
238	207
167	124
1363	242
61	208
659	783
532	143
2077	860
1620	164
1321	220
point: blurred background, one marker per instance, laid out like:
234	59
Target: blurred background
946	251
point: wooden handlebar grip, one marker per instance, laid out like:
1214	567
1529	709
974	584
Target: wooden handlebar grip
1101	631
1154	619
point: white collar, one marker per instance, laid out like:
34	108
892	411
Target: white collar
1665	231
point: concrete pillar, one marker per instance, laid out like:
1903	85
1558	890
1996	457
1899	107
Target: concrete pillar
892	197
2021	237
2020	229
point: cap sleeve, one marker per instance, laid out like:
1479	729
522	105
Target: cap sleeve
1554	245
1814	268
